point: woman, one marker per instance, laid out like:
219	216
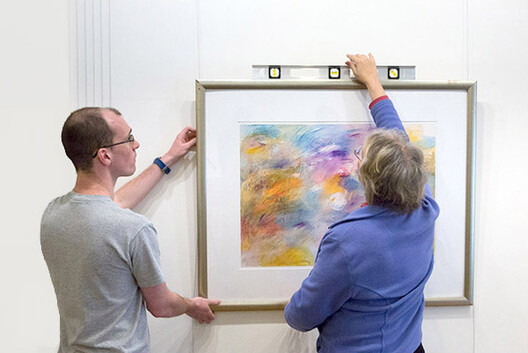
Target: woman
365	292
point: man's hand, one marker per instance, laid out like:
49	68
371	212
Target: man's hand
199	309
181	145
365	71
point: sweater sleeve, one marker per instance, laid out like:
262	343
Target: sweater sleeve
385	115
324	291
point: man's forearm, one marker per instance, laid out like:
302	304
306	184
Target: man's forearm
161	302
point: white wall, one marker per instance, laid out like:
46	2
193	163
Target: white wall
143	57
497	60
34	100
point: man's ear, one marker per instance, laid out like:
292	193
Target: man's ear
104	157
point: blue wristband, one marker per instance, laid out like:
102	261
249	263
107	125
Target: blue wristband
164	168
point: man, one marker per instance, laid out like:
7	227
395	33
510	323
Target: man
103	258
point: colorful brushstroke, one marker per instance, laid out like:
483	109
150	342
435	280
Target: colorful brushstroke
297	179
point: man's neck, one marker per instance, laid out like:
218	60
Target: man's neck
93	184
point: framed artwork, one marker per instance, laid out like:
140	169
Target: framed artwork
276	167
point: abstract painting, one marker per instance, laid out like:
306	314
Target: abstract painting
297	179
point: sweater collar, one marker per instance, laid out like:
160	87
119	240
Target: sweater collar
361	213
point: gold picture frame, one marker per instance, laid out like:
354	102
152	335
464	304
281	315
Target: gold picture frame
215	98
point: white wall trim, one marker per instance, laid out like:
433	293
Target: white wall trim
90	53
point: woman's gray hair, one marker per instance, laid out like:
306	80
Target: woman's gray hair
392	171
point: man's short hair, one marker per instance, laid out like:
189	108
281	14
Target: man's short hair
83	133
392	171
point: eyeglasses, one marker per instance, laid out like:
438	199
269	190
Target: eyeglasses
129	139
357	152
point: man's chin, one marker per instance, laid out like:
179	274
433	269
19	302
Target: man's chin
130	172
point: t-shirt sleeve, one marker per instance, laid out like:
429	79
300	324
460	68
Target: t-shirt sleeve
145	258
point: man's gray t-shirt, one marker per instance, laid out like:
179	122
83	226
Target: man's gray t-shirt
98	256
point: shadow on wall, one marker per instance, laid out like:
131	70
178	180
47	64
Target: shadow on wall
298	342
182	171
264	331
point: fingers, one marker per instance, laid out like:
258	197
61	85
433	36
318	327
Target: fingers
350	63
187	134
190	143
361	64
359	58
188	128
371	57
203	312
187	131
213	302
190	134
206	317
355	61
186	138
